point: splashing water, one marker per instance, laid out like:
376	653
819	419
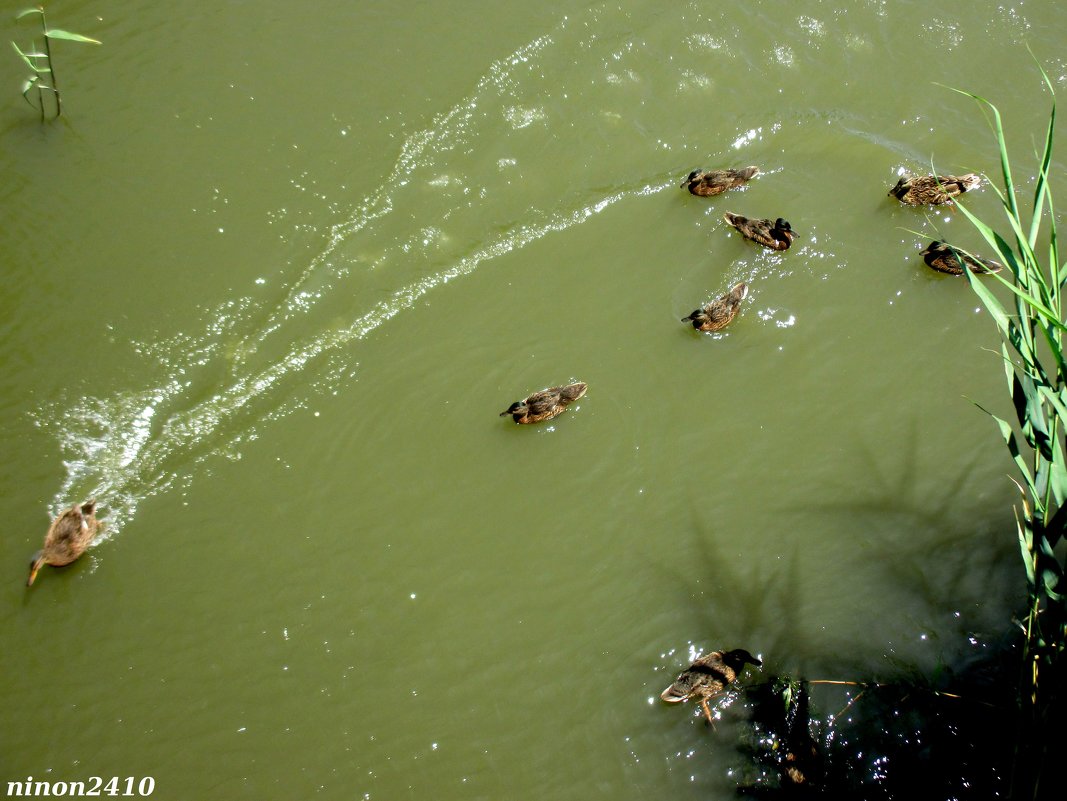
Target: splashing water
457	197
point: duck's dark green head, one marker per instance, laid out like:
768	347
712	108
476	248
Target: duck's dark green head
696	317
518	407
782	225
740	657
36	561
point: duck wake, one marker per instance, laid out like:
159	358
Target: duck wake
459	195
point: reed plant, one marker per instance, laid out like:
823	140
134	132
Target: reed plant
43	81
1031	326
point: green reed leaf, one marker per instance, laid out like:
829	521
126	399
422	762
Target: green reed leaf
1058	477
1013	448
1055	399
1029	408
56	33
1026	540
1030	300
27	58
1041	191
1005	165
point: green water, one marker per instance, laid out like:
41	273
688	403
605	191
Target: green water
271	278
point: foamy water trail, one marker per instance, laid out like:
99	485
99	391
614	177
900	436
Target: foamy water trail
421	150
449	204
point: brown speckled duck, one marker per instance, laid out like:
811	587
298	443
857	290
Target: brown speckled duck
777	235
718	314
923	190
67	538
708	676
546	404
707	183
943	258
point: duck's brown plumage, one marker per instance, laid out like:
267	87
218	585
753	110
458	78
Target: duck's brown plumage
775	234
546	404
718	314
923	190
67	538
708	676
943	258
714	182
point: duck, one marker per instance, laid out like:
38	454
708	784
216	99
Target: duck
923	190
717	315
946	259
546	404
708	676
707	183
777	235
67	538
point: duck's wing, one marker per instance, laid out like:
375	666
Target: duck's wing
572	392
543	401
720	311
706	676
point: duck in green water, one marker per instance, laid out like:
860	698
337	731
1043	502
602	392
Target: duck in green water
925	190
717	315
67	538
776	235
708	676
707	183
546	404
946	259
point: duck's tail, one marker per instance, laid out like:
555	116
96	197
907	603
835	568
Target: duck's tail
672	695
572	392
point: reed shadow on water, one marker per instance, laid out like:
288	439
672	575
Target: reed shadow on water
872	712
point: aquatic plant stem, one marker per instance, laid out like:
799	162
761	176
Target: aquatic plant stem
51	72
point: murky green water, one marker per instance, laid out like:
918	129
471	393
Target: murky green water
270	280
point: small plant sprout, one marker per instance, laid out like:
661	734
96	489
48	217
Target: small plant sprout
44	73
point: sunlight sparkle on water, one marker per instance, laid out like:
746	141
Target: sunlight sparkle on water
747	137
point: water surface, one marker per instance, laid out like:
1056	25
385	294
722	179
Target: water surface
270	279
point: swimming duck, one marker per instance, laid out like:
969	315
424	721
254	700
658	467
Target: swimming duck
718	314
67	538
708	676
922	190
945	259
546	404
775	235
714	182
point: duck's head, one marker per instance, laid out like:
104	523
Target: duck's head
692	177
518	407
35	564
782	225
740	657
